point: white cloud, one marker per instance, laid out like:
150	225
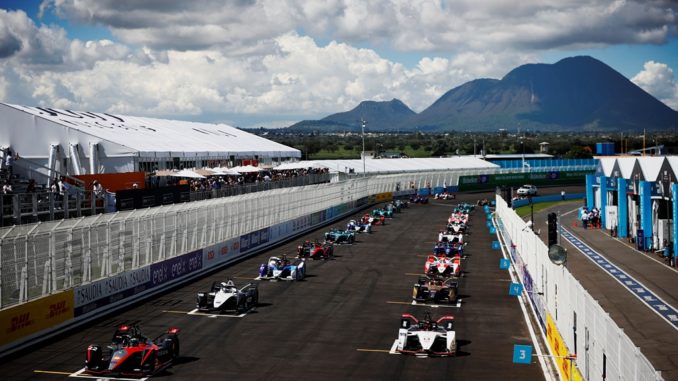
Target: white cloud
180	58
657	79
406	25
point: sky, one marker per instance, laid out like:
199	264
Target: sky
251	63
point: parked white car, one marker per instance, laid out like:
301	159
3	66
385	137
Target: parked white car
527	190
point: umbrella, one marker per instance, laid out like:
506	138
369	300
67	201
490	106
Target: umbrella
246	169
188	173
223	171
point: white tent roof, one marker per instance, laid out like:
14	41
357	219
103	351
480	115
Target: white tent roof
650	165
299	165
151	137
607	164
626	165
402	165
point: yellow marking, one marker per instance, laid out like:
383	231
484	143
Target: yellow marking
242	277
392	302
52	372
176	312
373	350
414	274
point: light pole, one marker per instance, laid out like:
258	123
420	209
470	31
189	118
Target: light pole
363	123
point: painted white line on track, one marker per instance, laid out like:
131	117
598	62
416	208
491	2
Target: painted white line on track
195	312
81	374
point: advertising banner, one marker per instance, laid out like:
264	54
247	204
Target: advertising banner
175	268
221	252
479	182
32	317
566	367
94	295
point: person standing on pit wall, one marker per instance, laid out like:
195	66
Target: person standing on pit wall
9	162
562	194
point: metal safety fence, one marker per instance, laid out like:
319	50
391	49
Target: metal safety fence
43	258
567	312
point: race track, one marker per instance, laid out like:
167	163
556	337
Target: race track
337	324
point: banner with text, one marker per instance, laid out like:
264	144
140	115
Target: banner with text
34	316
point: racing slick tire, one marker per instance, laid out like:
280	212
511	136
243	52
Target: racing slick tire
350	240
94	357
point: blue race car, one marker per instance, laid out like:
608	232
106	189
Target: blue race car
282	268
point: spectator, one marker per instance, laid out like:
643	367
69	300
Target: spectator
9	162
30	188
585	218
97	189
7	188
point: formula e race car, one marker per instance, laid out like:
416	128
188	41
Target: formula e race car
443	265
133	355
436	289
367	219
382	213
401	204
416	199
226	297
337	236
456	228
393	207
448	248
315	250
282	268
358	227
427	337
447	237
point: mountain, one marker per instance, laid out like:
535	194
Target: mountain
380	116
575	93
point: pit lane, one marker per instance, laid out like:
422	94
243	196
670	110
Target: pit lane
336	324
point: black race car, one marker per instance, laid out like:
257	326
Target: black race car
133	354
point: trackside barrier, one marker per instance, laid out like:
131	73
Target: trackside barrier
107	261
572	321
37	315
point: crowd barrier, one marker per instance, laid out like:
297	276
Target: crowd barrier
107	261
572	321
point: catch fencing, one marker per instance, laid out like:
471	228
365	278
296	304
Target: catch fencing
571	319
45	258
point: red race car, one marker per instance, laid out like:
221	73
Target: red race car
133	354
443	265
315	250
368	219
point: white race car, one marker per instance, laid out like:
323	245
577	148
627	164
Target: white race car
448	237
226	297
427	337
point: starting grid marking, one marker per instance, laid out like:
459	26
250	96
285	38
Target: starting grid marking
81	374
655	303
414	303
195	312
391	351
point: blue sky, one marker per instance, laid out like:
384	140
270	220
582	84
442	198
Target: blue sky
274	62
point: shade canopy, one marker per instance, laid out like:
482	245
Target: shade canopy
188	173
246	169
223	171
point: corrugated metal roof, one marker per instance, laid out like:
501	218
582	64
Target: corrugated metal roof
148	136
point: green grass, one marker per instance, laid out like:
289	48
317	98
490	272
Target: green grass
524	211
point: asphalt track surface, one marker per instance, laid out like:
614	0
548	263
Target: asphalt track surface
337	324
